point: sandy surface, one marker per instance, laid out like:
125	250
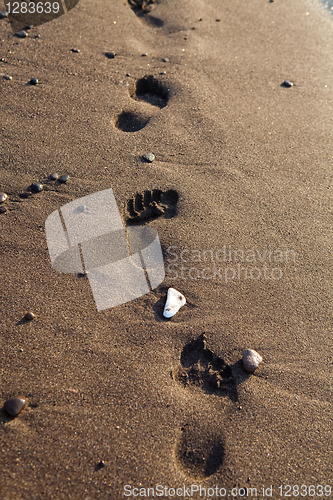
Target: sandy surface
251	162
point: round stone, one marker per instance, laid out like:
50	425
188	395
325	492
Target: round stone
251	360
3	210
37	187
7	77
110	55
165	59
21	34
29	316
75	50
14	406
81	208
3	197
54	177
287	84
149	157
33	81
3	14
63	178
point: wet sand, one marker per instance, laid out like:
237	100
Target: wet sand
249	246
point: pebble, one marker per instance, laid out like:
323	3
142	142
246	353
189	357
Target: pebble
175	300
101	464
251	360
14	406
25	194
7	77
33	81
3	14
37	187
3	210
75	50
127	74
287	84
29	316
21	34
165	59
110	55
54	177
29	27
3	197
149	157
82	208
63	178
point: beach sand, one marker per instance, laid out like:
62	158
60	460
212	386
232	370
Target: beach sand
251	162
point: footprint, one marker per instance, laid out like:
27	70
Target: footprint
150	90
142	9
202	368
152	204
129	121
198	452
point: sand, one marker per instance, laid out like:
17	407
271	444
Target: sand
251	162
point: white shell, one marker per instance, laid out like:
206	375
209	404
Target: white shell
251	360
175	300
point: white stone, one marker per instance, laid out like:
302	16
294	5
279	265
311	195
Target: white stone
251	360
175	300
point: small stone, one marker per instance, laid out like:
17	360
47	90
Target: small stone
7	77
127	74
251	360
3	14
14	406
3	197
63	179
165	59
3	210
21	350
54	177
81	208
37	187
33	81
287	84
26	194
110	55
29	316
21	34
101	464
148	157
144	55
29	27
175	300
75	50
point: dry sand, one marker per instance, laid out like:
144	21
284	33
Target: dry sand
251	162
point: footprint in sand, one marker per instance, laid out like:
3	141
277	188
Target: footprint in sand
199	451
142	9
149	90
152	204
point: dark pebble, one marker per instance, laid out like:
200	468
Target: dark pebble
25	195
165	59
110	55
37	187
29	316
3	197
54	177
3	14
287	84
14	406
3	59
127	74
148	157
75	50
21	34
144	55
29	27
3	210
101	464
33	81
7	77
63	178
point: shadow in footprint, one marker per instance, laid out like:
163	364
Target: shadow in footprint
198	452
203	368
150	90
128	121
152	204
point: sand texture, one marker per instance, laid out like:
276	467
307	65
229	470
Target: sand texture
243	210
